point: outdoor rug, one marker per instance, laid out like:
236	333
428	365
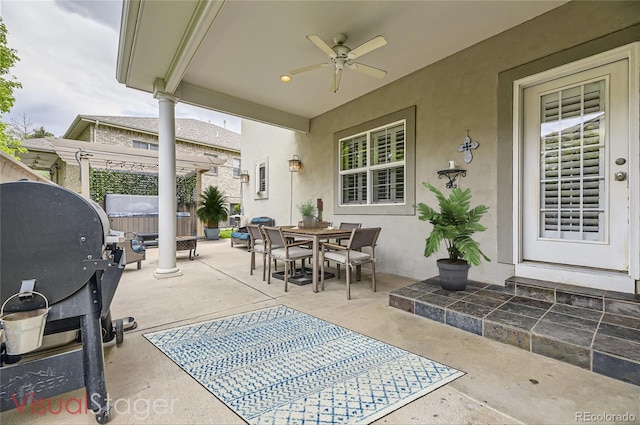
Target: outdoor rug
281	366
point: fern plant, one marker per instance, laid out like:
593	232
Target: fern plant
454	223
307	208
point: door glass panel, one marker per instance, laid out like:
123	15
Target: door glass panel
572	167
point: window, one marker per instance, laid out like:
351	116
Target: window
572	151
236	167
262	179
144	145
373	174
214	168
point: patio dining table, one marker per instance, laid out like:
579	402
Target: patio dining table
316	235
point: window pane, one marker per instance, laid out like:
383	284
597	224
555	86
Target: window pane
572	167
354	188
387	145
236	167
353	153
263	178
388	185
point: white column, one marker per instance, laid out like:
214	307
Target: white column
167	207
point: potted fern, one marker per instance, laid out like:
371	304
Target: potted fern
454	222
307	210
212	210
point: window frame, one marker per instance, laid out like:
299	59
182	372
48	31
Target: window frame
147	145
262	183
407	116
214	170
236	170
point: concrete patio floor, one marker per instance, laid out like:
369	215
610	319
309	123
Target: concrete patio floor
502	385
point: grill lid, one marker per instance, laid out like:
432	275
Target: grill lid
46	232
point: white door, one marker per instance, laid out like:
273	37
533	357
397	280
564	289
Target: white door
575	208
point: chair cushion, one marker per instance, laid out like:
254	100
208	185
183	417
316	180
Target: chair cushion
295	252
240	235
137	247
262	220
341	256
258	246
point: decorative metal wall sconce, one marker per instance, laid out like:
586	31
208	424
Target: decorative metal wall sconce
244	176
452	174
295	164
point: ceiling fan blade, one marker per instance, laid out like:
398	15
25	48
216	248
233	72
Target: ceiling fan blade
367	47
335	82
369	70
321	44
308	68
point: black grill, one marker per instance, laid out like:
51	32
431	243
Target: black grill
59	239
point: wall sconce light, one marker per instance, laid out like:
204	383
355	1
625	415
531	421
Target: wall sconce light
244	176
295	164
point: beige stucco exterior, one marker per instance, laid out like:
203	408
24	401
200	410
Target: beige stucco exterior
457	94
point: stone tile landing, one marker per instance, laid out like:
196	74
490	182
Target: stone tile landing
593	329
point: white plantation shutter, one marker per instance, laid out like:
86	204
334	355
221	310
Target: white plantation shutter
572	166
373	167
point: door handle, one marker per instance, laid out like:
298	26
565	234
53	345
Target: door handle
620	176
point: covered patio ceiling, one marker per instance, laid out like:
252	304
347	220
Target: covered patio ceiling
229	55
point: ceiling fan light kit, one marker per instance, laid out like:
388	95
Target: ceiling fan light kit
341	56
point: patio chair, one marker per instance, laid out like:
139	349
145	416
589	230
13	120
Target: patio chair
257	244
134	247
241	235
348	226
284	249
342	241
351	255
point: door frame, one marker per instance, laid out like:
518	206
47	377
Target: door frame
594	278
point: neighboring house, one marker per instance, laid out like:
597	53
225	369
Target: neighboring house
195	139
551	100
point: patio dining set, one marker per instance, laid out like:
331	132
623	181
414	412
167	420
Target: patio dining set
288	244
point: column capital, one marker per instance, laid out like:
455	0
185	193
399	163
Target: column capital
166	97
160	94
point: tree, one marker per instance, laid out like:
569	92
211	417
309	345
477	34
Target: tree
20	128
39	133
8	83
23	128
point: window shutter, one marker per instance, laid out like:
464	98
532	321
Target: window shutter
572	143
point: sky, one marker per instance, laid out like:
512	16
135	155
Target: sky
67	66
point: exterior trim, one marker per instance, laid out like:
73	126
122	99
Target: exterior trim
529	269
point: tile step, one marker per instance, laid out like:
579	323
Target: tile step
592	329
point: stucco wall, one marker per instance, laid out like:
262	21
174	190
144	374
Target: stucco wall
262	142
456	94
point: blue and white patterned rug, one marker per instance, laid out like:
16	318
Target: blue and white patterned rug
281	366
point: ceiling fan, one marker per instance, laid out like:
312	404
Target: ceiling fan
341	56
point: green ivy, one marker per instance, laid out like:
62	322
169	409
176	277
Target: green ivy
186	189
103	182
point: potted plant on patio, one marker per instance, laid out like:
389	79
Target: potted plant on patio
454	223
308	210
212	210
